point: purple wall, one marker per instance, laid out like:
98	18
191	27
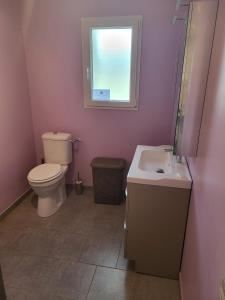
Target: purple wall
53	49
204	254
17	154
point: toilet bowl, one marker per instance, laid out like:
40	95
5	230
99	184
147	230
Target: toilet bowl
48	182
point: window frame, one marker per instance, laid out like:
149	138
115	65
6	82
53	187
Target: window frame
135	22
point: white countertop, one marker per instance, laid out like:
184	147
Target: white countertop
148	159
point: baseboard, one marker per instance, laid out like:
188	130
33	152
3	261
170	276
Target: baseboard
180	284
15	204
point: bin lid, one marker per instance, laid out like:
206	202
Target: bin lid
108	163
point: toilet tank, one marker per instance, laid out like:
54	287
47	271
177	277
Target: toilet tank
57	147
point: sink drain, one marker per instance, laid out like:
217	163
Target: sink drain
160	171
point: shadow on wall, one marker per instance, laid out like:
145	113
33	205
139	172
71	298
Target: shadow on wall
28	8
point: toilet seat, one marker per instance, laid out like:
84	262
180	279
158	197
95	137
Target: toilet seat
44	173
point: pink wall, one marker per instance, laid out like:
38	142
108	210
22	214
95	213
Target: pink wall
53	49
204	254
16	137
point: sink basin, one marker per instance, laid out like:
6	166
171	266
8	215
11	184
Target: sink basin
155	160
158	166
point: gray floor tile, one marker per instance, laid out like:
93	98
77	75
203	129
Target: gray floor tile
62	222
112	284
37	242
20	294
74	279
51	243
100	220
55	257
9	260
22	217
8	237
101	250
34	273
75	204
89	219
15	221
69	246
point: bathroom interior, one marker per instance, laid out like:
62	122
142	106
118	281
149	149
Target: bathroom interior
112	117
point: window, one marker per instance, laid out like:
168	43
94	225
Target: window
111	61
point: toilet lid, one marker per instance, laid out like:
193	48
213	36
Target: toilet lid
44	172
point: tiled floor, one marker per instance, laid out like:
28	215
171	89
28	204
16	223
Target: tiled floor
75	254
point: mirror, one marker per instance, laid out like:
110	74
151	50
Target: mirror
198	49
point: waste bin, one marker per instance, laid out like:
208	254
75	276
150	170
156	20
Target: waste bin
108	179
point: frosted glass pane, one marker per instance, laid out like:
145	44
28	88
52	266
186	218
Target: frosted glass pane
111	64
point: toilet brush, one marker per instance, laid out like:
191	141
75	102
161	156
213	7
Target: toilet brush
79	188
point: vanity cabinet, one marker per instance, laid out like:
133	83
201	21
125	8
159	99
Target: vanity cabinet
155	226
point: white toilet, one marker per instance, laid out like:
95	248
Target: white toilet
48	180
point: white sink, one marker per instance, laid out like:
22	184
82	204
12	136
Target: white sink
158	166
154	160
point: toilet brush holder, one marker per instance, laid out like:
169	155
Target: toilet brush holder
79	188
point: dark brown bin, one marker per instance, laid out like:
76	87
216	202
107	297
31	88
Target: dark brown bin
108	179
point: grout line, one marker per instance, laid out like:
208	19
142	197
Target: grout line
91	283
66	259
100	266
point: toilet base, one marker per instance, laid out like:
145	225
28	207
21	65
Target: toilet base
50	204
